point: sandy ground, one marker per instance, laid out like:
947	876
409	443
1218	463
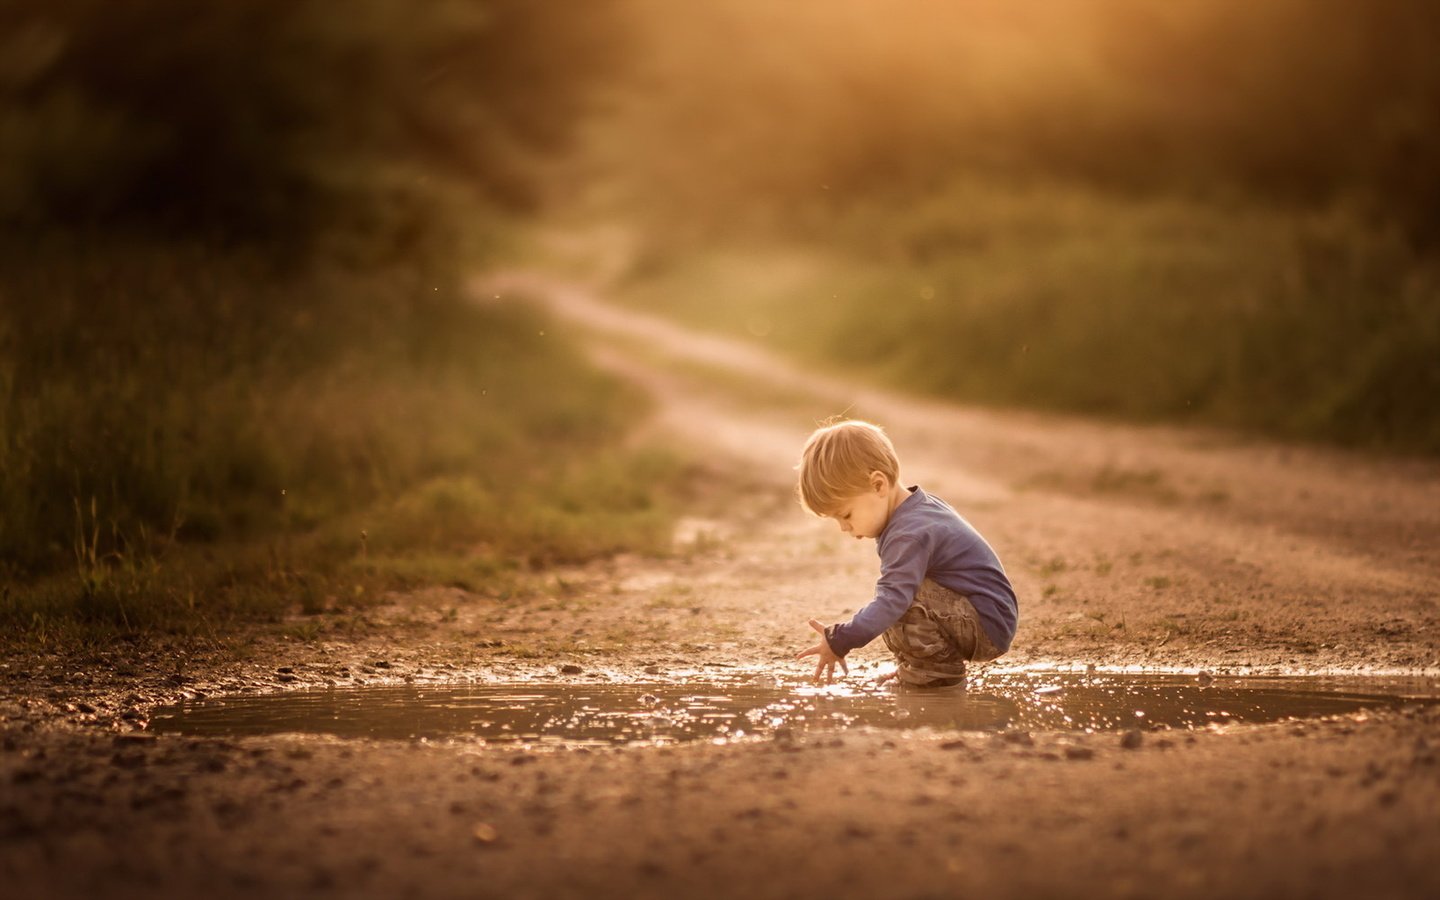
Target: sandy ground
1162	548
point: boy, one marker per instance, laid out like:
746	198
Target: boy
942	598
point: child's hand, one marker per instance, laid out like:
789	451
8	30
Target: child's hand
826	657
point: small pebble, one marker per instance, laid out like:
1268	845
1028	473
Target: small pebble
1132	739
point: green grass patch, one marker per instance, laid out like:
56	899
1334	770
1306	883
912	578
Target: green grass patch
192	439
1311	326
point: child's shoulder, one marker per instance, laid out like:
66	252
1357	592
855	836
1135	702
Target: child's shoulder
928	503
924	512
934	515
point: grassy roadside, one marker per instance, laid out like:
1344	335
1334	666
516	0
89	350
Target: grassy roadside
1307	326
193	441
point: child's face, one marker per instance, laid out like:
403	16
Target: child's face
865	515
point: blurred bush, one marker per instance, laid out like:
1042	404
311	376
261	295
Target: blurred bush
751	110
192	396
1315	326
276	119
1218	210
233	312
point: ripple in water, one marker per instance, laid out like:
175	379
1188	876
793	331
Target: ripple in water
638	714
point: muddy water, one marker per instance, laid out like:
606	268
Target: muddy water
609	714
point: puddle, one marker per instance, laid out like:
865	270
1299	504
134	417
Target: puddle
632	714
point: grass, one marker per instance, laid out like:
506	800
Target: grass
1316	326
192	439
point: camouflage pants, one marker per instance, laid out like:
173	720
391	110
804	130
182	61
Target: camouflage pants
938	634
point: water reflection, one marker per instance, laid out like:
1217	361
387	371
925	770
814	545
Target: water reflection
610	714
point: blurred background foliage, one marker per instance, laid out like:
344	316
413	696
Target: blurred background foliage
234	236
276	119
830	101
1205	210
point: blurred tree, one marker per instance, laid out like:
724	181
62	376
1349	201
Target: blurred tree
747	104
278	118
1294	99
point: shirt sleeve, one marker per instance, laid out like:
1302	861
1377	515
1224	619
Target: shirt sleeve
902	568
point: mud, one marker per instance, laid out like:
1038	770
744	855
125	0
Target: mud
567	716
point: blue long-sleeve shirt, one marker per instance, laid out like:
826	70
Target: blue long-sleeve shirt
926	538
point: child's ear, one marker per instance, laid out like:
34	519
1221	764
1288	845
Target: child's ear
878	482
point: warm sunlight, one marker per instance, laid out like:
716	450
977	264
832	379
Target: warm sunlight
651	449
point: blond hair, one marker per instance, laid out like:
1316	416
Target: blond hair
837	461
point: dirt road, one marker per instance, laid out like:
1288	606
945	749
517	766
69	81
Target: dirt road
1129	546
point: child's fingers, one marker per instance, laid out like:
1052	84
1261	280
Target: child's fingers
844	665
804	653
815	624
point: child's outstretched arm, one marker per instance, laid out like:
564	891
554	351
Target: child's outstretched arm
825	657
